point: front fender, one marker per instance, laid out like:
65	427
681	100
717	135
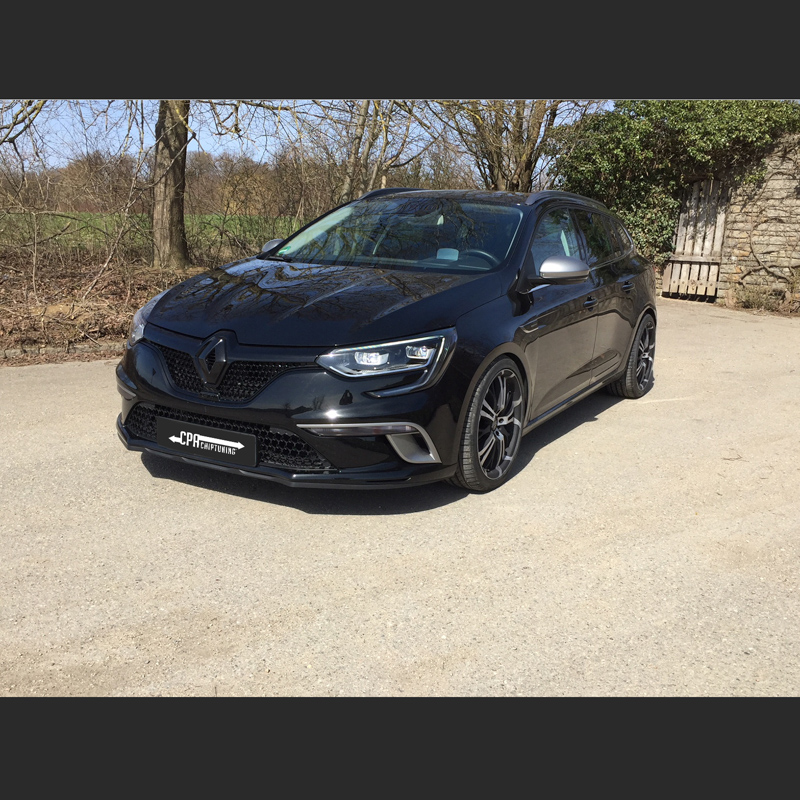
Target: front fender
481	342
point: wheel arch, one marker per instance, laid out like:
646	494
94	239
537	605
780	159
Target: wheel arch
648	309
505	350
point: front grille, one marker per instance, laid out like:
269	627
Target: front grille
182	370
242	381
276	447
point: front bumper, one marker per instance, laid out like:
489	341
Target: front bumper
312	428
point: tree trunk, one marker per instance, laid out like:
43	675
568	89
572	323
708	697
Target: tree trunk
169	230
346	193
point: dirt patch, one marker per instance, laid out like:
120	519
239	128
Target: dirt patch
104	350
72	311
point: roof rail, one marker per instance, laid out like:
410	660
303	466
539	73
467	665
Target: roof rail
557	194
377	192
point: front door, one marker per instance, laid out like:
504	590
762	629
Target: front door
558	333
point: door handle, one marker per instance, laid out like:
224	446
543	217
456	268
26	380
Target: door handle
591	302
627	286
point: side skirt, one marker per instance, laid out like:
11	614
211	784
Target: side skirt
570	401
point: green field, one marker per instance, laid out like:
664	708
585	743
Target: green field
210	237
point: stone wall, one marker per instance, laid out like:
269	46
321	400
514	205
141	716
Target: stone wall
761	247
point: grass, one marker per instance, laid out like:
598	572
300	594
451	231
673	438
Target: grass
94	232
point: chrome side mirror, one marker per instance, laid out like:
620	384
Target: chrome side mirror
563	269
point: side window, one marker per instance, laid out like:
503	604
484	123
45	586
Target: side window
597	241
623	236
555	236
617	248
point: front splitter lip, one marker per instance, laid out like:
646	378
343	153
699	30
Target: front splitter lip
338	480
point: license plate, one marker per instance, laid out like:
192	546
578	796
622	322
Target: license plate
202	441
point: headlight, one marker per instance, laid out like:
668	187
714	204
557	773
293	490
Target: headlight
426	355
140	319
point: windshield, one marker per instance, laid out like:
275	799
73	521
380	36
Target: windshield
414	232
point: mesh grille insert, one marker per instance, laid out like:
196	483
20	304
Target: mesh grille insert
276	447
242	380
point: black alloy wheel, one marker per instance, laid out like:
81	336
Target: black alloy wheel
638	377
493	429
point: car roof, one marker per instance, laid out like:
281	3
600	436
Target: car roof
495	197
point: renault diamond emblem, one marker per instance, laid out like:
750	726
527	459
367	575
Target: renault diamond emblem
212	359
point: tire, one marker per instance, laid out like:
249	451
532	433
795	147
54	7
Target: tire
638	377
492	430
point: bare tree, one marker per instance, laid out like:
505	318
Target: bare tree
202	183
169	182
507	139
365	140
17	117
244	120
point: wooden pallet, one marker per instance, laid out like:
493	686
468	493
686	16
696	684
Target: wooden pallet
695	278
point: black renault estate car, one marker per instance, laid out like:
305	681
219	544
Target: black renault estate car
408	336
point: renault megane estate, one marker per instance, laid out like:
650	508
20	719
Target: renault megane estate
408	336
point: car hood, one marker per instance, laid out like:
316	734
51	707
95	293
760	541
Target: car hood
285	304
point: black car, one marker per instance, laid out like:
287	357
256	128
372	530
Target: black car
406	337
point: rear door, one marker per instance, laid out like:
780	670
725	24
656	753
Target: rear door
604	256
630	272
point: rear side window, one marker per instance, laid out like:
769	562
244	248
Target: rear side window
598	243
555	236
623	236
617	247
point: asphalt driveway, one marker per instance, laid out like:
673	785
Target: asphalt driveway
643	547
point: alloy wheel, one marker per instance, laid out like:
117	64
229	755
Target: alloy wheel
646	351
500	425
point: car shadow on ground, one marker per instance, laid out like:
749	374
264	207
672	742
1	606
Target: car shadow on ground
402	500
568	421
